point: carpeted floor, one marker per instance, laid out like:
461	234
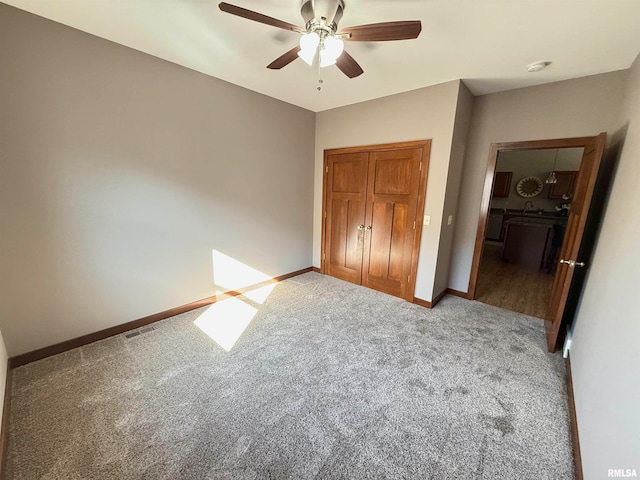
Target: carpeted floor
328	381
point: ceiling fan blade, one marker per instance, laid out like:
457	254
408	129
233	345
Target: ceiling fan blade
284	60
381	32
258	17
348	65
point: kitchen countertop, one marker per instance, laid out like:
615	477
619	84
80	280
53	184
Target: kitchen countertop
532	222
520	213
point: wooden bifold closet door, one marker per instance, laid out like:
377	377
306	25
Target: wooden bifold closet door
373	201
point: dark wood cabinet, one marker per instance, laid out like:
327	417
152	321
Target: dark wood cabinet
564	186
502	184
526	244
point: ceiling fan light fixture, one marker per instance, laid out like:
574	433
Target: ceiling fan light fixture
308	56
308	46
326	60
331	49
309	41
334	45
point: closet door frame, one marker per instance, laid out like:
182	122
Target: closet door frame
422	191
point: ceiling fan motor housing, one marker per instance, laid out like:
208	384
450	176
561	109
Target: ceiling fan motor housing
322	14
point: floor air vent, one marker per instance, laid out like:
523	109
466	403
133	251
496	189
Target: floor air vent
135	333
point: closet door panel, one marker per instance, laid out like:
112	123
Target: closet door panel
378	264
345	207
394	178
398	242
346	247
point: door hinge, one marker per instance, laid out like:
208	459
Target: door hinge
326	169
325	214
409	278
420	165
414	224
324	256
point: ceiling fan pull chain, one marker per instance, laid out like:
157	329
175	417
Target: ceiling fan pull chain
320	81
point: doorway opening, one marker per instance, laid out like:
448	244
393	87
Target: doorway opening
566	256
527	221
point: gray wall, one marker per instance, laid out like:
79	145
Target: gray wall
605	353
573	108
427	113
452	193
121	173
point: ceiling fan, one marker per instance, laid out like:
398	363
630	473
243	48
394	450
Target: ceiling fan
320	36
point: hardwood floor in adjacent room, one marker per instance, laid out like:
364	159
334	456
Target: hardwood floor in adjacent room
512	287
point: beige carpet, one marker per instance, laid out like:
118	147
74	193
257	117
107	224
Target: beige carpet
325	380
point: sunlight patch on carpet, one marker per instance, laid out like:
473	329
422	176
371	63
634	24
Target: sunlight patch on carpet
224	321
260	295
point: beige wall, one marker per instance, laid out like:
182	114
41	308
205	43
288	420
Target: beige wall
605	353
452	193
573	108
427	113
120	173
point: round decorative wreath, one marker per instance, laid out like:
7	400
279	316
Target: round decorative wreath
529	187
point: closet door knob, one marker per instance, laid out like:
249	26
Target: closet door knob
360	227
367	228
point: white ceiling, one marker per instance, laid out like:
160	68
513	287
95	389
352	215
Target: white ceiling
488	43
